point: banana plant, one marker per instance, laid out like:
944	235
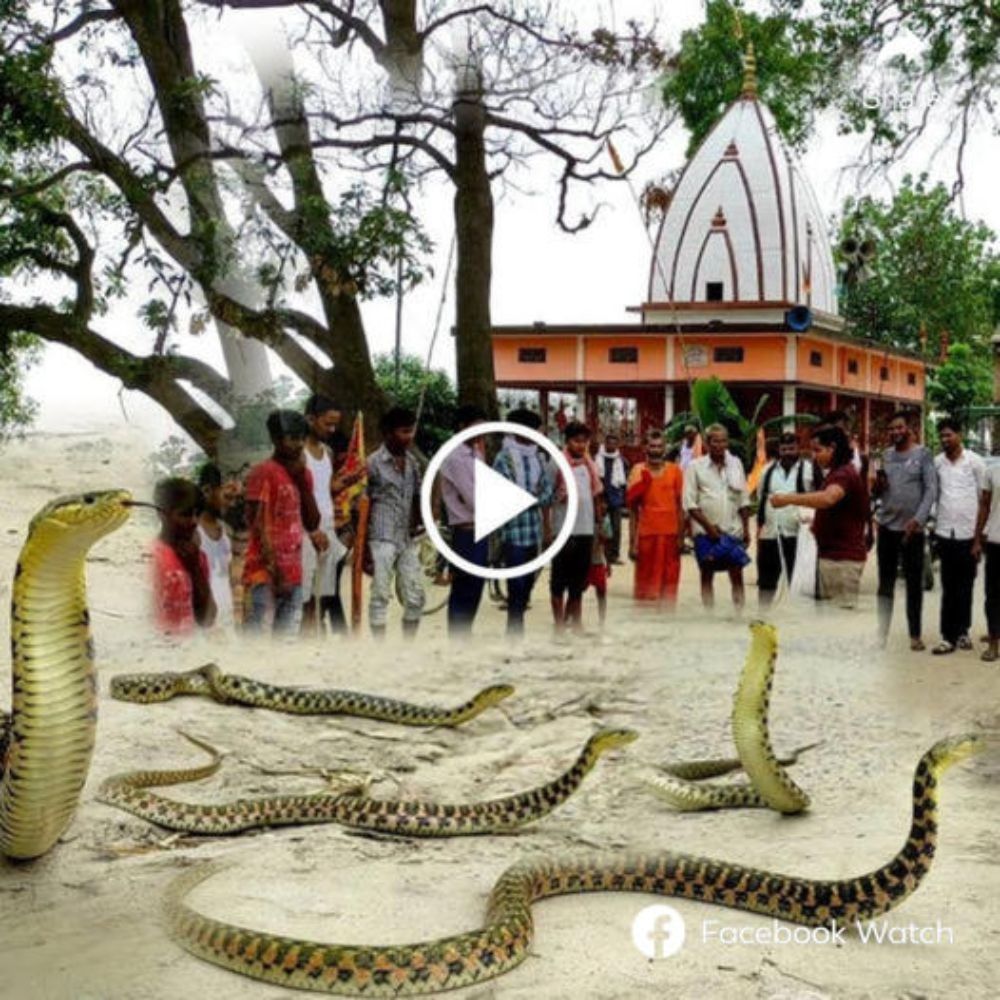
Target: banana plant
712	403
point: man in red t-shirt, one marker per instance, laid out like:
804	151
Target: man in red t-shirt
182	595
280	510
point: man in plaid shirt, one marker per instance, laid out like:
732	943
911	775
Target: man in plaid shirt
530	532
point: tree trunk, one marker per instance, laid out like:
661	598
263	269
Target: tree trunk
474	245
160	31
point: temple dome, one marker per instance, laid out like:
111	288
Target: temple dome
743	224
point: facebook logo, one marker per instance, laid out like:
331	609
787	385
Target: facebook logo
658	931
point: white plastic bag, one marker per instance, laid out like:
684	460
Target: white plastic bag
804	577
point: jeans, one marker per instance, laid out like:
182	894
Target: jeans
286	609
466	589
958	576
389	559
889	546
518	587
993	589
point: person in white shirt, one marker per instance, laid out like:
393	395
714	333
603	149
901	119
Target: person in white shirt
961	481
778	529
323	551
716	500
988	542
214	539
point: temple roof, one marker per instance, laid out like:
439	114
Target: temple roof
744	216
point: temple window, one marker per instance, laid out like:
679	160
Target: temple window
714	291
911	378
623	355
531	355
816	359
852	366
883	373
728	355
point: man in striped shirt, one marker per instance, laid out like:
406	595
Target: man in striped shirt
524	536
394	522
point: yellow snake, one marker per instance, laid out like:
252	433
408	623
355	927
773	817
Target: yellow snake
407	818
770	785
209	681
47	741
505	940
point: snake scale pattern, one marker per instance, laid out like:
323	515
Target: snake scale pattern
47	741
232	689
506	938
770	786
407	818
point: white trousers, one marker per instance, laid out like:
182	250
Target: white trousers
389	559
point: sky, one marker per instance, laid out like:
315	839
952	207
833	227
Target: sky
539	273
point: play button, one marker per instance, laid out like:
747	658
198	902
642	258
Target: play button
497	500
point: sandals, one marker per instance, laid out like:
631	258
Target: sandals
943	647
964	642
989	655
917	645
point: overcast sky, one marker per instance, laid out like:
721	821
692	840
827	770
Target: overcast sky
538	272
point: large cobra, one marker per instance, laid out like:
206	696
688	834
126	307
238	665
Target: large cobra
47	741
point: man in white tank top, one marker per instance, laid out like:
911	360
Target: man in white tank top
323	554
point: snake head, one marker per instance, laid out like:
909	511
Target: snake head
90	516
610	739
494	694
955	749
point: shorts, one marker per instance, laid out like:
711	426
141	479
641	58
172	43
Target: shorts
597	577
571	567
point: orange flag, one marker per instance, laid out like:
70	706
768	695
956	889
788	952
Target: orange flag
354	462
760	460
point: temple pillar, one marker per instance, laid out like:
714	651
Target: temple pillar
788	401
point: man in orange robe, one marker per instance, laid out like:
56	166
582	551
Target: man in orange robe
655	499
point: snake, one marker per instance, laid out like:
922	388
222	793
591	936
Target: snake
130	791
47	740
682	784
233	689
506	938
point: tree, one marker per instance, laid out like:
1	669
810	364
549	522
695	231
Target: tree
96	203
903	55
166	180
961	383
935	278
429	392
16	410
796	76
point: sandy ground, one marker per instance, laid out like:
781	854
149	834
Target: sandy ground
84	922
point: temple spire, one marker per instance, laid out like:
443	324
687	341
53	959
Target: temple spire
750	73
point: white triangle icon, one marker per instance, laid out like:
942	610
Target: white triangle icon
497	500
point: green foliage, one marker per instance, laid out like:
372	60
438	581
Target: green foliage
933	269
175	456
795	74
439	395
712	403
18	352
915	65
963	381
370	239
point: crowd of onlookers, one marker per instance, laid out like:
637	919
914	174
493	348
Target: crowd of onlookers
270	553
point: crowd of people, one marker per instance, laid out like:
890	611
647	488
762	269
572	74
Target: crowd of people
269	554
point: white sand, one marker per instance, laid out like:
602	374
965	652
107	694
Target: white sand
84	922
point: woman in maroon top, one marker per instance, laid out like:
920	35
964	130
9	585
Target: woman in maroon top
842	510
